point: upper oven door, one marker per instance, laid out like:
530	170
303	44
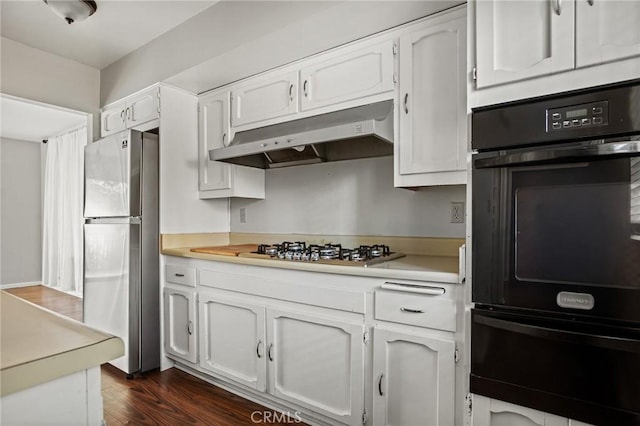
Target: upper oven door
558	229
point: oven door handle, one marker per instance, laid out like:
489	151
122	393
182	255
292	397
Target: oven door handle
592	149
607	342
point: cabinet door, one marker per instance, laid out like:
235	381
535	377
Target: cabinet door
180	324
348	76
492	412
232	342
523	39
112	119
143	107
606	30
433	103
265	97
213	133
317	363
414	379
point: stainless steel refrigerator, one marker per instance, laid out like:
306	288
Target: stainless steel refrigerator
121	254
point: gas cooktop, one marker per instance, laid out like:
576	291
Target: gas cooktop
335	254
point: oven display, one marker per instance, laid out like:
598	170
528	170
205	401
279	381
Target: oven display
575	117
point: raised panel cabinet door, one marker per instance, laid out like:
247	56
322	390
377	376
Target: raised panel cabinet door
348	76
113	119
265	97
413	381
232	340
493	412
433	99
213	132
180	324
143	107
606	30
523	39
317	363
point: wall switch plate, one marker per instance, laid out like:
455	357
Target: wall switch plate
457	212
243	215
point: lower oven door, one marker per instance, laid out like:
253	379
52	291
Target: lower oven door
583	371
558	229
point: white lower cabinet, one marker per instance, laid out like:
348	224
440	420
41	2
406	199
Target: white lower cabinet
180	323
310	361
413	379
493	412
232	340
317	363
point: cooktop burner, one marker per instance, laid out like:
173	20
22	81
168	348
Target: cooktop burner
363	255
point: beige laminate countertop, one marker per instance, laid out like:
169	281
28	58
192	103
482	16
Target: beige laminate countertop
37	345
443	269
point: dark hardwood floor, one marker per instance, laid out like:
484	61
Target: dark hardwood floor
171	397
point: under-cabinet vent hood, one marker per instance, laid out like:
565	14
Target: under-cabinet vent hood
360	132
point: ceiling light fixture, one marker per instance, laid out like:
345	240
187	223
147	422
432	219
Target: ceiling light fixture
73	10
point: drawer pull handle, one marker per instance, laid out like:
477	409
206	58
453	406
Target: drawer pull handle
411	310
179	275
258	349
380	385
410	288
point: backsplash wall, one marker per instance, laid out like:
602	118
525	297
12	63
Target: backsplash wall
354	197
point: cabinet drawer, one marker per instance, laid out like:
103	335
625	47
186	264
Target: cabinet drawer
421	310
180	275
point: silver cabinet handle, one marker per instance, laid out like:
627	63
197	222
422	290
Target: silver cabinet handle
291	92
258	349
406	103
269	352
128	113
178	275
558	7
411	310
190	328
380	385
224	138
122	116
304	88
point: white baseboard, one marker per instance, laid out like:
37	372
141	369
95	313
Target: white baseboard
15	285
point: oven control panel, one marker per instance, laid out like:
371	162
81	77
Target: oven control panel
578	116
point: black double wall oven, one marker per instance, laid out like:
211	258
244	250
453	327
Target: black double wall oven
556	254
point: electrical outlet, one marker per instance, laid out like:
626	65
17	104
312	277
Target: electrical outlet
243	215
457	212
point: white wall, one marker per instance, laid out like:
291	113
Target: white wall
235	39
37	75
354	197
20	212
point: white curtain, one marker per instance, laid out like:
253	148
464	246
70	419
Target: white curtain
62	257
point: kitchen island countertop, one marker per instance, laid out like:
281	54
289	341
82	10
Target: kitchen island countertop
38	345
430	268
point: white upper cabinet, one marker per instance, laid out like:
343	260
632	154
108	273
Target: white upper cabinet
348	74
112	119
217	179
130	112
606	30
516	40
431	149
213	133
265	97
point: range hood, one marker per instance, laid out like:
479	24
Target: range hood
361	132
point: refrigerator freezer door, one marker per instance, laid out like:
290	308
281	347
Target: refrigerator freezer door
112	284
112	176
